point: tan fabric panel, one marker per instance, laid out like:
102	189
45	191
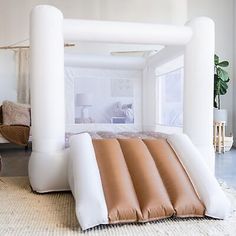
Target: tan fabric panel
181	192
151	193
119	191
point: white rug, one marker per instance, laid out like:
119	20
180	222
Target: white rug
23	212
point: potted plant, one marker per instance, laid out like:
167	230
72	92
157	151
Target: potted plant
221	80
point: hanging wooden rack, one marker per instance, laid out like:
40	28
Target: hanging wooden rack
19	47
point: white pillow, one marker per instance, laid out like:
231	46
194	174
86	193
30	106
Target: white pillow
85	182
216	203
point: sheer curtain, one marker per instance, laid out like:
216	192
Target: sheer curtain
23	83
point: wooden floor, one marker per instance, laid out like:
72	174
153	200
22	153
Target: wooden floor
15	163
14	160
226	167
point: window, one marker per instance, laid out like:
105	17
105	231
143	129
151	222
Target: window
170	95
104	100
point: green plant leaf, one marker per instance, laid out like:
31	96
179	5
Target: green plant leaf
216	59
221	79
224	85
220	87
223	64
222	74
223	91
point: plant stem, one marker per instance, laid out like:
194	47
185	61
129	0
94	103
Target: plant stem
218	101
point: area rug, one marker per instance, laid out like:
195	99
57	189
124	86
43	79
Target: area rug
23	212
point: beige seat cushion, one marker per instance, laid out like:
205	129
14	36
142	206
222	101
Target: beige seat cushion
15	113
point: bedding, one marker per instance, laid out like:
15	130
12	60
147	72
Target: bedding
117	179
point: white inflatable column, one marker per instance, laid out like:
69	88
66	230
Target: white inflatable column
47	166
198	87
149	93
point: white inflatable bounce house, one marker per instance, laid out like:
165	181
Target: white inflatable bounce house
48	166
53	167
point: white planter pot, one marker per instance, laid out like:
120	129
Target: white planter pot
220	115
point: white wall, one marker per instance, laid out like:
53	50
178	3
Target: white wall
221	11
154	11
14	14
234	70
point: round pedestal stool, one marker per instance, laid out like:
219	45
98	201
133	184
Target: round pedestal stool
219	136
